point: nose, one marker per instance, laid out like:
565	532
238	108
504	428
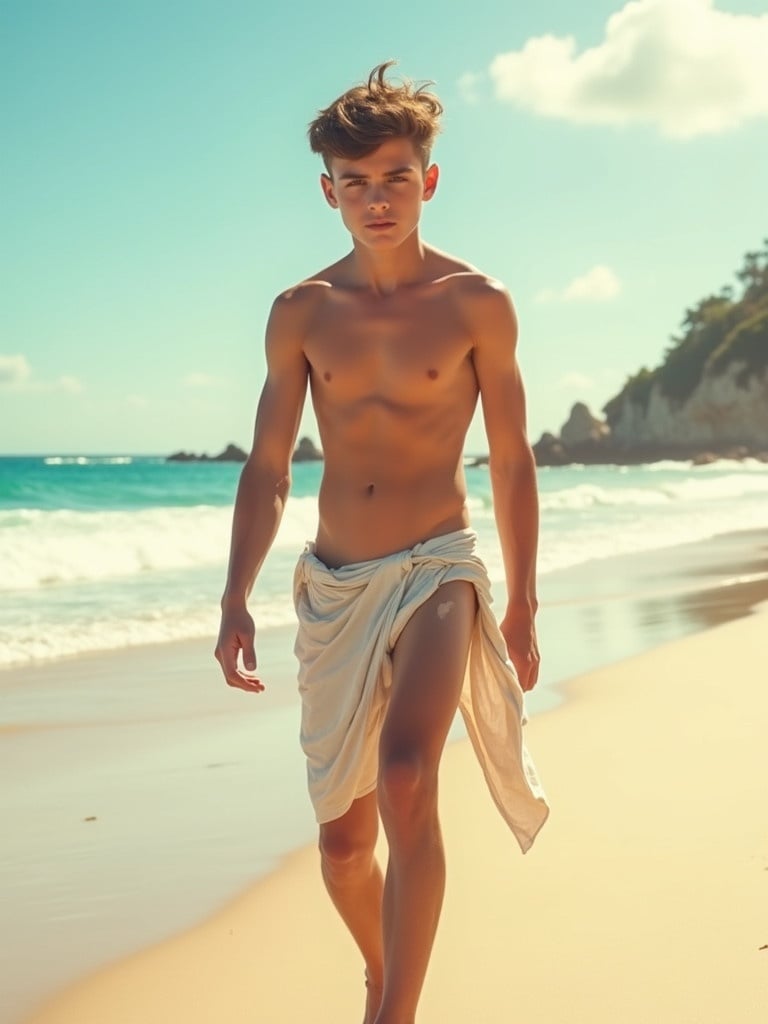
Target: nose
377	201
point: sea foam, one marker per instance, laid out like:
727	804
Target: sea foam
40	547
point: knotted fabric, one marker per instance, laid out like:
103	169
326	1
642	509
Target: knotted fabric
349	621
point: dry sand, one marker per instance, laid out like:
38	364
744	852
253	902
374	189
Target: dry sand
644	899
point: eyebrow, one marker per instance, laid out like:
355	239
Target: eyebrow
351	175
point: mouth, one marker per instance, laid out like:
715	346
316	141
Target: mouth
380	225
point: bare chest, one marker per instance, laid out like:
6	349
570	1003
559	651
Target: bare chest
403	351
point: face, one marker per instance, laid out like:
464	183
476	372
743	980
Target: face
380	196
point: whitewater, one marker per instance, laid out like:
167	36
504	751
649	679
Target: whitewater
105	552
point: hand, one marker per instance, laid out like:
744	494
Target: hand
237	634
519	633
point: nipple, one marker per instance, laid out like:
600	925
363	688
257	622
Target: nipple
370	489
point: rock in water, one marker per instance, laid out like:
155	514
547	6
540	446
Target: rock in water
307	451
582	427
231	454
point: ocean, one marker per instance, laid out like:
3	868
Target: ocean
100	552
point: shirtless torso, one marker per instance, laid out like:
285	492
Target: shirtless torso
394	389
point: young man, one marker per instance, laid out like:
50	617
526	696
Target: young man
396	341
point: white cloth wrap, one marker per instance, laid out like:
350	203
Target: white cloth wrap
349	622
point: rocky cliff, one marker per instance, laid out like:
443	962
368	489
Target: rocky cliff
709	394
720	411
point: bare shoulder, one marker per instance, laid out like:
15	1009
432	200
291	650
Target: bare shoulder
469	284
297	303
483	303
483	295
292	315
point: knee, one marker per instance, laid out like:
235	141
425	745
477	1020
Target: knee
407	787
345	856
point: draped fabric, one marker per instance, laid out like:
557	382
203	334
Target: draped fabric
349	622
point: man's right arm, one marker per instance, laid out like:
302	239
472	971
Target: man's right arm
264	482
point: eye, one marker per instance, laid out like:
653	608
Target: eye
398	177
355	181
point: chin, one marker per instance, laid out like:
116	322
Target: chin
379	241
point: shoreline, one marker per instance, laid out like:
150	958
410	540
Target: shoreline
215	750
643	848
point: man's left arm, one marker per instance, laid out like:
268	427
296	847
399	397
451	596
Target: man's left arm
512	468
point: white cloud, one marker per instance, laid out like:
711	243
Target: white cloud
136	401
201	380
14	370
16	375
681	65
598	285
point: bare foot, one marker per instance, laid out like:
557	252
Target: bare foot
373	991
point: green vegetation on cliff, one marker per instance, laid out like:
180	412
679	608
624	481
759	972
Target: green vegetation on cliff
717	332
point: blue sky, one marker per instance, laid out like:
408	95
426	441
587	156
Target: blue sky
156	191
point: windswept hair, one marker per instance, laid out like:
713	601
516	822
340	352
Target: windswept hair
364	117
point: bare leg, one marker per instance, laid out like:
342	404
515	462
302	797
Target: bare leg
428	671
354	883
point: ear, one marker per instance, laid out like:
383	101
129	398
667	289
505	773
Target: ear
326	184
431	176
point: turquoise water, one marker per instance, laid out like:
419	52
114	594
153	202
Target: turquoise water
123	483
104	552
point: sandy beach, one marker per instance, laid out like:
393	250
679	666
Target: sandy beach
645	898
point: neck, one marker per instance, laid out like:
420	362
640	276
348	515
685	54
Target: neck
385	272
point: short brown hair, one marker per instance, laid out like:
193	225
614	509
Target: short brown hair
364	117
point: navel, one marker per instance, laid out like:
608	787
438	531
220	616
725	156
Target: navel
433	374
327	375
370	489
